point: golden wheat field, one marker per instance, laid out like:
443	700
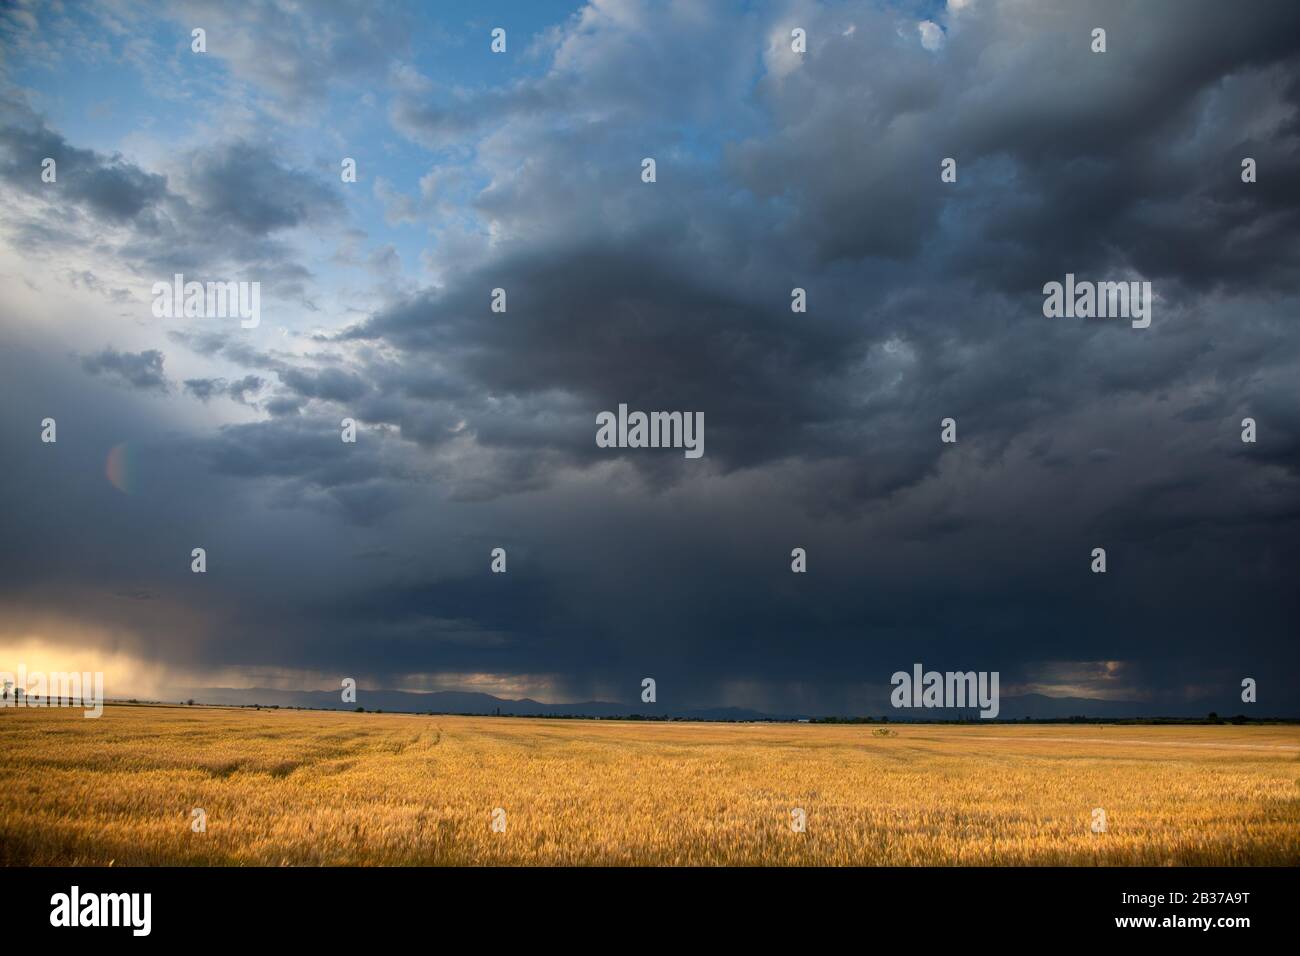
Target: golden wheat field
313	788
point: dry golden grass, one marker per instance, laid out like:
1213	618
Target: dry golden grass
306	788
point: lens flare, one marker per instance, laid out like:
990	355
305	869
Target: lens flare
120	468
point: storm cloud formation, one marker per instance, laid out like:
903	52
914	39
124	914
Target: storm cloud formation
775	170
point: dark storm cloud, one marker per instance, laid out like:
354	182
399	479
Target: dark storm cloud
232	349
201	343
331	384
627	327
239	390
143	370
822	429
304	463
1062	169
206	389
222	212
1056	176
295	448
1131	157
243	185
106	186
284	406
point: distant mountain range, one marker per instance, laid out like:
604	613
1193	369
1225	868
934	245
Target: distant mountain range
454	702
1031	706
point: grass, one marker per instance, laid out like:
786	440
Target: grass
314	788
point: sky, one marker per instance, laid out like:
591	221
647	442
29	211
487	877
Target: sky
775	169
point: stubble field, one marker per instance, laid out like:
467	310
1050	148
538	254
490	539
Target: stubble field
313	788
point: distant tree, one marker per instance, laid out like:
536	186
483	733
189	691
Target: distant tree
190	702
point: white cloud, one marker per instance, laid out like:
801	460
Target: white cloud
931	34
